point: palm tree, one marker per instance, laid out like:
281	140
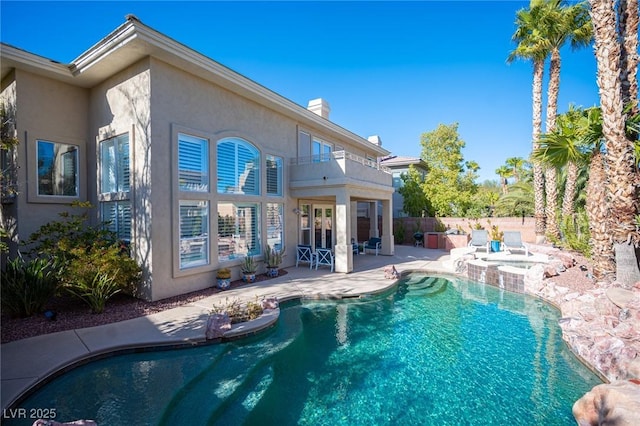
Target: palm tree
619	157
565	147
504	172
531	46
517	166
560	24
628	33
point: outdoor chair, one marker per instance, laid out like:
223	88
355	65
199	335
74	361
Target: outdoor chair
324	257
373	244
354	246
304	255
479	239
512	240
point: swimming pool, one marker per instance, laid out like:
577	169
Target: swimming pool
434	351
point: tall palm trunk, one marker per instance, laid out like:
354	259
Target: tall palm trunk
619	154
628	30
568	200
597	212
538	176
551	175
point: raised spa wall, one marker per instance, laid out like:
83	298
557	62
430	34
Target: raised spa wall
504	277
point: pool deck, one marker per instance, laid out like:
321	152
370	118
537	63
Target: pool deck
27	362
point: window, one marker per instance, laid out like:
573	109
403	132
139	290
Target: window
116	216
238	230
274	175
275	225
115	186
193	163
397	180
305	224
114	155
57	169
321	151
194	233
238	167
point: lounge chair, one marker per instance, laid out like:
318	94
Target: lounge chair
479	239
324	257
512	240
304	255
373	244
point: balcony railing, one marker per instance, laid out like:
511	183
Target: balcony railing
339	155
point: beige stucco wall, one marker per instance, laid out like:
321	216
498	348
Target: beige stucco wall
53	111
121	105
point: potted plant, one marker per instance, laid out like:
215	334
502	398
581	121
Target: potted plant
496	237
223	278
272	260
248	269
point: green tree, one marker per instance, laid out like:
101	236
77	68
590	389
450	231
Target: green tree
415	202
450	184
531	46
504	172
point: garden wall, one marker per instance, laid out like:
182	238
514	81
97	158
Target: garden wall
525	225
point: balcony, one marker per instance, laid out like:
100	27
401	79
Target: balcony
340	168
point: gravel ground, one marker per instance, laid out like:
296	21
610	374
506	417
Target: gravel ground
72	314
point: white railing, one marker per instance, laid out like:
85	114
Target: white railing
339	155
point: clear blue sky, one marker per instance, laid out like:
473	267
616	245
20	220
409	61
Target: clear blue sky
393	69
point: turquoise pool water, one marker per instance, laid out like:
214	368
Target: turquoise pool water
435	352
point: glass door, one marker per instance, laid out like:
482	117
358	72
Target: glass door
323	223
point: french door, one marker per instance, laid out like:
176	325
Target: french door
323	225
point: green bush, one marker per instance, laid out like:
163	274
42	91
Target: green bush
87	261
100	273
96	292
27	286
575	233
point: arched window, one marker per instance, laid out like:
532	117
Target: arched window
238	167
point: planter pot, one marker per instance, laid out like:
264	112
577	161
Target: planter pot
272	272
249	278
495	246
223	283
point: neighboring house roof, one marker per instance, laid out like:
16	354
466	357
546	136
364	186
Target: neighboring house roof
397	161
133	41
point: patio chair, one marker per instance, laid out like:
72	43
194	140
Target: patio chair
354	246
479	239
324	257
304	255
373	244
512	240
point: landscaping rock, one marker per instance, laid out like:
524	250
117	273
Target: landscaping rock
217	324
616	403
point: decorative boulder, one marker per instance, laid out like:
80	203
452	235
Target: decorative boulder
608	404
217	324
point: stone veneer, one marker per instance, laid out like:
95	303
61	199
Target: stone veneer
505	277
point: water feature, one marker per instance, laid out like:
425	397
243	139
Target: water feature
436	351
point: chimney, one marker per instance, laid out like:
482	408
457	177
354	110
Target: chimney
319	106
375	139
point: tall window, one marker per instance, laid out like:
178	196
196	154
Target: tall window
238	230
193	163
194	233
57	169
321	150
305	224
275	225
238	167
115	186
274	175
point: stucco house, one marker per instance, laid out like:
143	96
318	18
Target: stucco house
398	165
195	165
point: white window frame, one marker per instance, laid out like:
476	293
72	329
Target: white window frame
120	194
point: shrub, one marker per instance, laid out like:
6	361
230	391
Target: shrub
27	286
273	257
100	273
238	312
95	293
